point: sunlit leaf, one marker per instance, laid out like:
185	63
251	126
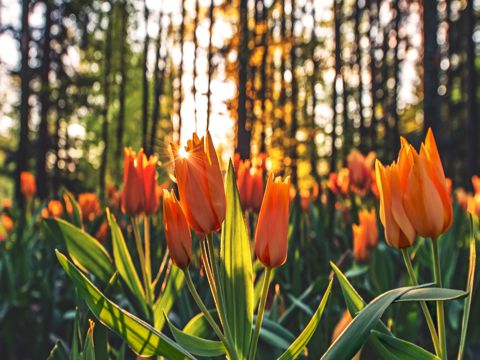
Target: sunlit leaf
165	302
401	349
140	336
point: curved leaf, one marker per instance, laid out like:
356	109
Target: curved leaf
76	215
236	263
194	344
432	294
86	252
140	336
299	344
172	289
123	261
402	349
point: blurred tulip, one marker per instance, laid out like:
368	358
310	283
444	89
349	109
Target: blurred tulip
272	227
89	206
250	185
342	324
360	168
426	200
476	184
307	197
177	232
139	184
200	184
27	184
473	204
7	223
462	198
339	183
368	220
54	209
399	231
102	232
360	242
6	204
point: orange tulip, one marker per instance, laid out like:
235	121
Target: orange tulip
476	184
473	204
102	232
27	184
368	220
139	184
6	204
342	324
399	231
250	185
426	200
462	198
89	206
54	209
360	242
307	197
7	223
339	182
200	184
360	168
272	227
177	232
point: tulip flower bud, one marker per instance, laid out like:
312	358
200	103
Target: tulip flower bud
27	184
177	232
368	220
54	209
250	185
89	206
360	242
360	168
272	228
200	184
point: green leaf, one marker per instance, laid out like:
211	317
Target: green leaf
196	345
353	300
354	336
470	285
86	252
198	325
432	294
76	216
401	349
140	336
237	269
124	263
58	352
89	347
165	302
301	342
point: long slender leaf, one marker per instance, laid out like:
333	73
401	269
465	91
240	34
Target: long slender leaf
58	352
86	252
301	342
198	325
88	351
165	302
123	261
140	336
470	285
401	349
76	215
237	269
195	344
430	294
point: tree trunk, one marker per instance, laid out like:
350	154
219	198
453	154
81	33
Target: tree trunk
263	76
158	85
106	96
121	92
243	133
43	136
146	14
358	60
396	73
430	67
294	99
336	20
195	46
210	66
373	11
23	144
472	121
180	74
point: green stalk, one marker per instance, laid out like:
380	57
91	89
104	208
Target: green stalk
206	313
261	311
423	304
141	256
440	309
148	259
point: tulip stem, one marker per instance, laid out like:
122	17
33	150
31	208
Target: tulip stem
161	268
423	304
141	256
148	260
440	309
260	312
206	313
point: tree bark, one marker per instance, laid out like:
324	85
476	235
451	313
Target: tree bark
106	103
243	133
158	85
210	66
43	136
23	144
180	73
263	76
195	46
294	99
146	14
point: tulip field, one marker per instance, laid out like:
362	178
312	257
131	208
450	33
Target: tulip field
241	180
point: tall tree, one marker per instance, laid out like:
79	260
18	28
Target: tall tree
358	60
122	87
430	66
396	75
23	144
146	44
263	75
180	72
472	120
107	56
195	48
210	57
373	20
243	133
43	136
294	99
157	83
